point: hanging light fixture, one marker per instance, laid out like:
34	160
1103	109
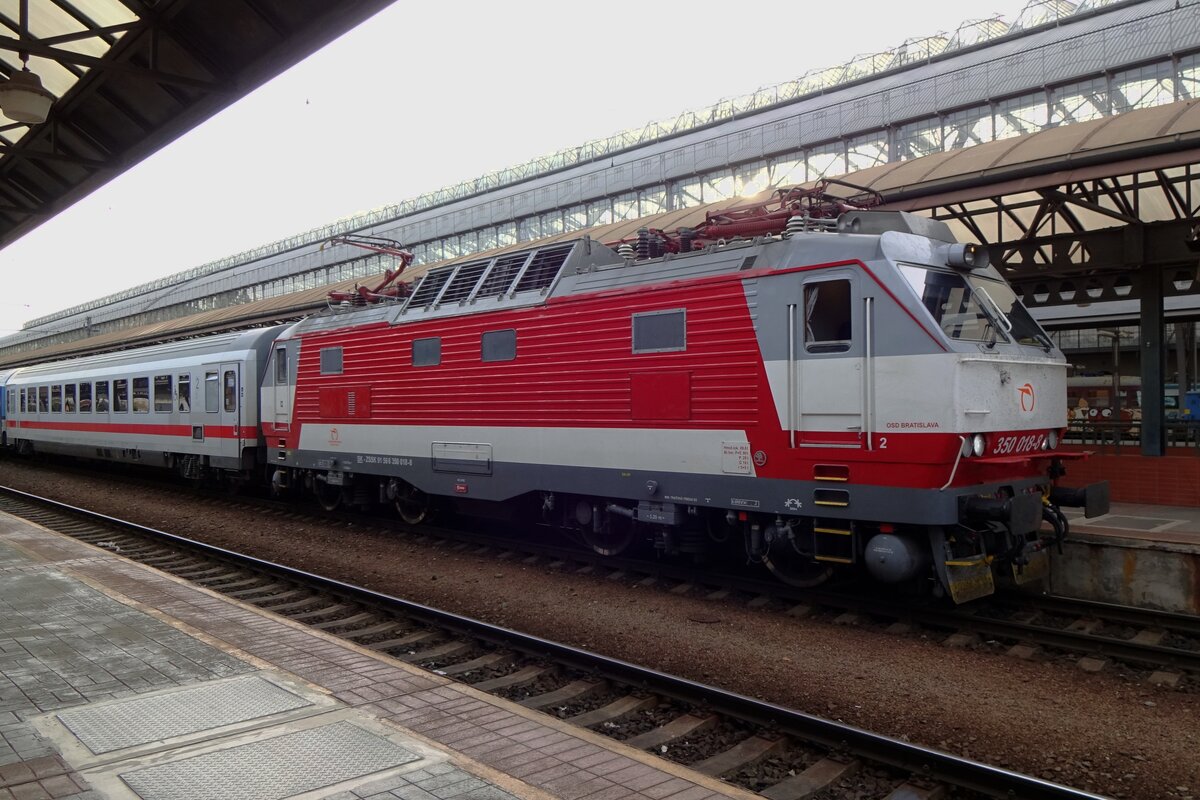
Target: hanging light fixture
22	96
23	99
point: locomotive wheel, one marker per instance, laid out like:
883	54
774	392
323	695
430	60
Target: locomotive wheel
329	496
412	504
614	536
795	569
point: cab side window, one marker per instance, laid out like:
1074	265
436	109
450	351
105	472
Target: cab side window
827	317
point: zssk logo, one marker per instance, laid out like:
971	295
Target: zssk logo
1027	397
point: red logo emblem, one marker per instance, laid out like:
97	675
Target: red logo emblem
334	439
1027	397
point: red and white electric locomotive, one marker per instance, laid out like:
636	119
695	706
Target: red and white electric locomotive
820	388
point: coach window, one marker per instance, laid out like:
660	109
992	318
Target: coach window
427	352
499	345
331	364
163	393
24	403
101	397
121	395
85	398
660	331
141	395
43	399
185	393
212	392
55	399
230	390
827	317
69	398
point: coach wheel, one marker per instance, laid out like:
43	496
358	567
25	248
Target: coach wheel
412	504
795	569
328	495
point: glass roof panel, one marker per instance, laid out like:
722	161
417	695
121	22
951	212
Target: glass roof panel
45	19
104	12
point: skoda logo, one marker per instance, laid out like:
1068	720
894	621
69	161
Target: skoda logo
1027	397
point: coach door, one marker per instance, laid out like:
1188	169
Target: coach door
828	362
231	403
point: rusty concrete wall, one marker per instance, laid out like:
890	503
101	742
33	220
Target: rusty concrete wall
1128	572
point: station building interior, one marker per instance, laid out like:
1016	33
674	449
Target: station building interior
1067	140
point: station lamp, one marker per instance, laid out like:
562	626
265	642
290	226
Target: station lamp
23	98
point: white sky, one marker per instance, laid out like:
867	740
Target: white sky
424	96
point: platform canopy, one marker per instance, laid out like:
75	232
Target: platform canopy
125	77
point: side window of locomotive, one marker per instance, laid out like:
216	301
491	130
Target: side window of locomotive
163	393
281	370
427	352
660	331
827	320
69	398
43	399
85	398
212	392
185	393
121	395
331	362
141	395
230	390
56	399
101	397
499	345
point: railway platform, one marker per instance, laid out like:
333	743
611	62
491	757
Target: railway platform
1137	554
118	681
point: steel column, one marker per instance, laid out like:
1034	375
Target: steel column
1153	375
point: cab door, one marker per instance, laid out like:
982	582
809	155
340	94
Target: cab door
830	362
278	392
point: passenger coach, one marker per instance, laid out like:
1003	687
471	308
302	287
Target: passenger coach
181	405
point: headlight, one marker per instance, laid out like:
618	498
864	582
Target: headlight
978	444
1052	440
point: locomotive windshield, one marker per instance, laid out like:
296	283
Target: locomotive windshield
973	309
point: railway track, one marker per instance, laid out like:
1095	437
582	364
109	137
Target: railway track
779	752
1163	646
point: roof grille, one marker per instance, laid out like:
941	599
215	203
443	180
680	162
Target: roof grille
431	284
544	268
501	277
464	281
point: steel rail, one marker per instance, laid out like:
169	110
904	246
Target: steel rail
934	764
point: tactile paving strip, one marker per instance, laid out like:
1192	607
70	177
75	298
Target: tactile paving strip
141	720
274	768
